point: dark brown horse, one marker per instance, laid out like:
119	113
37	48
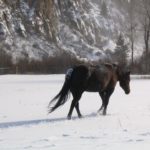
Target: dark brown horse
102	79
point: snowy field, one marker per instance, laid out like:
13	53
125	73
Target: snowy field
25	124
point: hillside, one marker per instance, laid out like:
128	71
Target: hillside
37	28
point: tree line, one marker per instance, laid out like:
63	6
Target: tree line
47	65
61	62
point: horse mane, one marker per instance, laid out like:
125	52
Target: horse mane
109	65
112	66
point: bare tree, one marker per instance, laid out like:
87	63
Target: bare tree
132	27
146	29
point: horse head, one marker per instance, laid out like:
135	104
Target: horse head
124	78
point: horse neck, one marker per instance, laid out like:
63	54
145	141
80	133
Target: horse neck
117	73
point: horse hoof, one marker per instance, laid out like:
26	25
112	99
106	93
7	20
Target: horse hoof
80	117
69	117
98	112
104	113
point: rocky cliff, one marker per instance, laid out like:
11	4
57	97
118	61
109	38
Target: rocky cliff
42	28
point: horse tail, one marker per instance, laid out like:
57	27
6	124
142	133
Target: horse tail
62	96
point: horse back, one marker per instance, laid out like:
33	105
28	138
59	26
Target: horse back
93	78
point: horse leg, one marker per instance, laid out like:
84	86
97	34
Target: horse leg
74	101
74	104
106	99
78	110
105	105
102	95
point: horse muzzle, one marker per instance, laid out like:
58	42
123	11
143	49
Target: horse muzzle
127	92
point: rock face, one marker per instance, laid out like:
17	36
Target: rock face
41	28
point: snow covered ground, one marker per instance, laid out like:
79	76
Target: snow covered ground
25	124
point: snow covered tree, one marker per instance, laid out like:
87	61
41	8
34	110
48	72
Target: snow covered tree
121	51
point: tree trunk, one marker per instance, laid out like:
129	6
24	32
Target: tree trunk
146	40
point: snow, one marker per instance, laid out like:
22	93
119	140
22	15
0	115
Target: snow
110	45
25	124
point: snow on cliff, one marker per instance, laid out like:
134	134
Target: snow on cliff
37	28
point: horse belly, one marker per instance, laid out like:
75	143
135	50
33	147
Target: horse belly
93	88
93	84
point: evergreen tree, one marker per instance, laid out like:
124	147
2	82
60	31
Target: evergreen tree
121	50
